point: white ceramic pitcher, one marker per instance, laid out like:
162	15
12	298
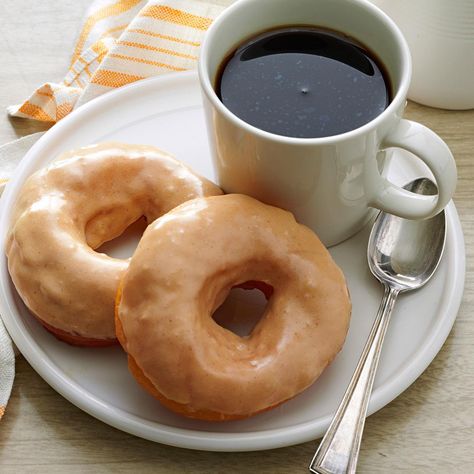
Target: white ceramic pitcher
440	34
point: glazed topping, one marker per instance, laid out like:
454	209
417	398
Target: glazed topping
183	269
70	208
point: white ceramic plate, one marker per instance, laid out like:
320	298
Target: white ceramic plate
167	112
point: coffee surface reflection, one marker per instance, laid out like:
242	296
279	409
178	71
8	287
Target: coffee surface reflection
303	82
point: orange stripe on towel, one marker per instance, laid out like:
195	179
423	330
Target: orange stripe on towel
113	79
172	15
63	109
146	61
50	95
166	37
154	48
35	112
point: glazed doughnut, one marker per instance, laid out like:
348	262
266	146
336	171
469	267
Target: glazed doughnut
183	269
72	207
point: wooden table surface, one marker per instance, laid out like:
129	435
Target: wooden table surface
427	429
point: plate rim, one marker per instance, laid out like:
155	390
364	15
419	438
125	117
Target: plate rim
195	439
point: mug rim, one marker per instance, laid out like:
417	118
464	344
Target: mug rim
398	99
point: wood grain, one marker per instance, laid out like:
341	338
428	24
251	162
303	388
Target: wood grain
428	429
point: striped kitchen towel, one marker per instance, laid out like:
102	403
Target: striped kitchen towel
121	41
7	367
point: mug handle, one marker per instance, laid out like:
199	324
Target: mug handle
431	149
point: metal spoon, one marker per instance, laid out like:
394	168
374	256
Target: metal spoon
403	255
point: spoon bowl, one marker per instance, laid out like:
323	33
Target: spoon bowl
406	253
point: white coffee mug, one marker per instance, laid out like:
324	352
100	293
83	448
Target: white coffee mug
330	184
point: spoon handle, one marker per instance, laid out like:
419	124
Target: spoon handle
339	449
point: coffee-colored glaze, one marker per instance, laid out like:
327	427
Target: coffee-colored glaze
70	208
182	270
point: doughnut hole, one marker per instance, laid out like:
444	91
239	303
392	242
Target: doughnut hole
244	307
106	223
125	244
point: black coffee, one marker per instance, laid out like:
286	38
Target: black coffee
303	82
